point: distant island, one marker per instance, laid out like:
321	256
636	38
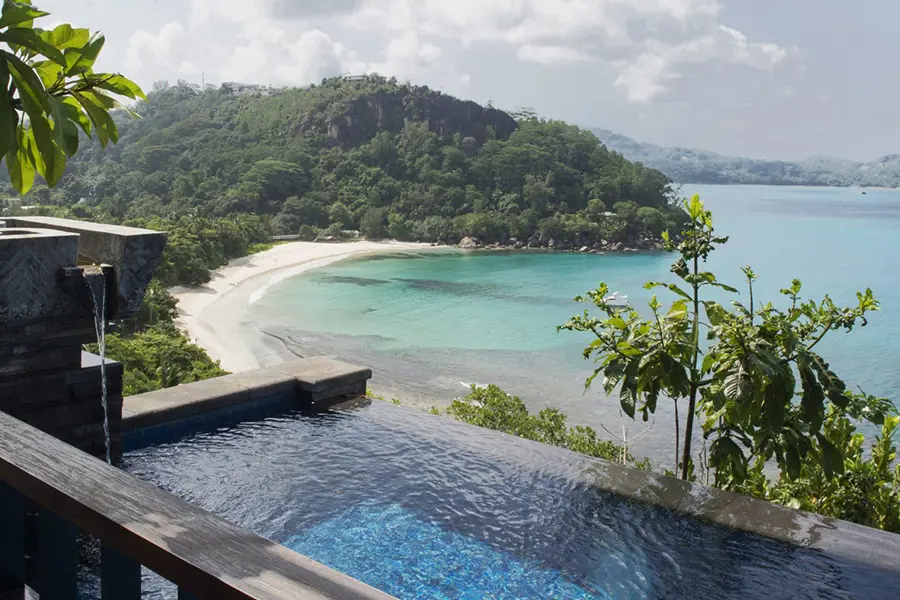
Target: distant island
687	165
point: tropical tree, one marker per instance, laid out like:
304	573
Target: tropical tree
750	373
52	93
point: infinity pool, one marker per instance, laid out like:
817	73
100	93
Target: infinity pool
423	507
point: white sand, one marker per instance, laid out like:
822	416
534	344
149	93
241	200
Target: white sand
214	314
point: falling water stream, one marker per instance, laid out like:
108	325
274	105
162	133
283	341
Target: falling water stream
96	283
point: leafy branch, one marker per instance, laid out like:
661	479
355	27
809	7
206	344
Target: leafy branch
52	92
745	389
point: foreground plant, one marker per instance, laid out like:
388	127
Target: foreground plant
52	92
749	373
866	492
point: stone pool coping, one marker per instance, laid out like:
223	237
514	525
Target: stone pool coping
834	537
316	379
307	380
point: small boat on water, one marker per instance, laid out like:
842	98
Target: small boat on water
616	300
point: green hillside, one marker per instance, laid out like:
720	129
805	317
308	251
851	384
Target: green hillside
388	159
687	165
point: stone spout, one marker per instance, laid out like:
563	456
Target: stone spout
132	253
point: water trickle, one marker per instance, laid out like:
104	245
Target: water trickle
96	283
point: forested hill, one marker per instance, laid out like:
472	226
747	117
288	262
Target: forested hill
686	165
370	154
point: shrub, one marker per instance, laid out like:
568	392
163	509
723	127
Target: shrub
493	408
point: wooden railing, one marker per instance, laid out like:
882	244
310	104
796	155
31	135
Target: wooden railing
50	490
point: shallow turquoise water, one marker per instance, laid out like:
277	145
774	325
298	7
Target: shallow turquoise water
495	314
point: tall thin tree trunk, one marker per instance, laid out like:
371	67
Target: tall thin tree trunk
688	431
695	380
677	437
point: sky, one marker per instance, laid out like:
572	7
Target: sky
779	79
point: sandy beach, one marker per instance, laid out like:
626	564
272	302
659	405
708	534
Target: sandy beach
214	314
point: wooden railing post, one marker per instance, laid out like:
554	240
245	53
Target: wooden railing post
57	557
120	577
12	543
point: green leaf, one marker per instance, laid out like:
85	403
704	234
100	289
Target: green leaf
812	405
792	458
65	132
727	288
118	85
674	288
616	322
834	386
72	111
28	83
628	392
103	123
714	312
775	402
832	459
15	13
723	453
678	310
20	166
9	118
28	38
737	384
708	362
80	60
694	207
100	99
49	72
48	158
65	36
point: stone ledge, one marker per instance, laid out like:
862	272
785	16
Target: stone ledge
307	380
319	375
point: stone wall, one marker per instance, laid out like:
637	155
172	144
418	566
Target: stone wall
67	404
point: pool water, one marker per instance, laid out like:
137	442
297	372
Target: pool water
424	507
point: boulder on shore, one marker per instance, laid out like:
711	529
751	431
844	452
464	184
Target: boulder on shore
468	243
584	249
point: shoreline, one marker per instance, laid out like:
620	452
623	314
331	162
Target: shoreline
213	314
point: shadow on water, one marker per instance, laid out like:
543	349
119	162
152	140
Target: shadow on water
362	281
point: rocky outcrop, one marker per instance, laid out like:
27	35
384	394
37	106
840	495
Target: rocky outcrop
391	110
468	243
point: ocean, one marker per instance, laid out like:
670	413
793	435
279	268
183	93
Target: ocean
432	322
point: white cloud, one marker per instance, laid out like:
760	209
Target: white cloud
407	56
649	42
253	49
145	47
314	56
550	55
642	77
